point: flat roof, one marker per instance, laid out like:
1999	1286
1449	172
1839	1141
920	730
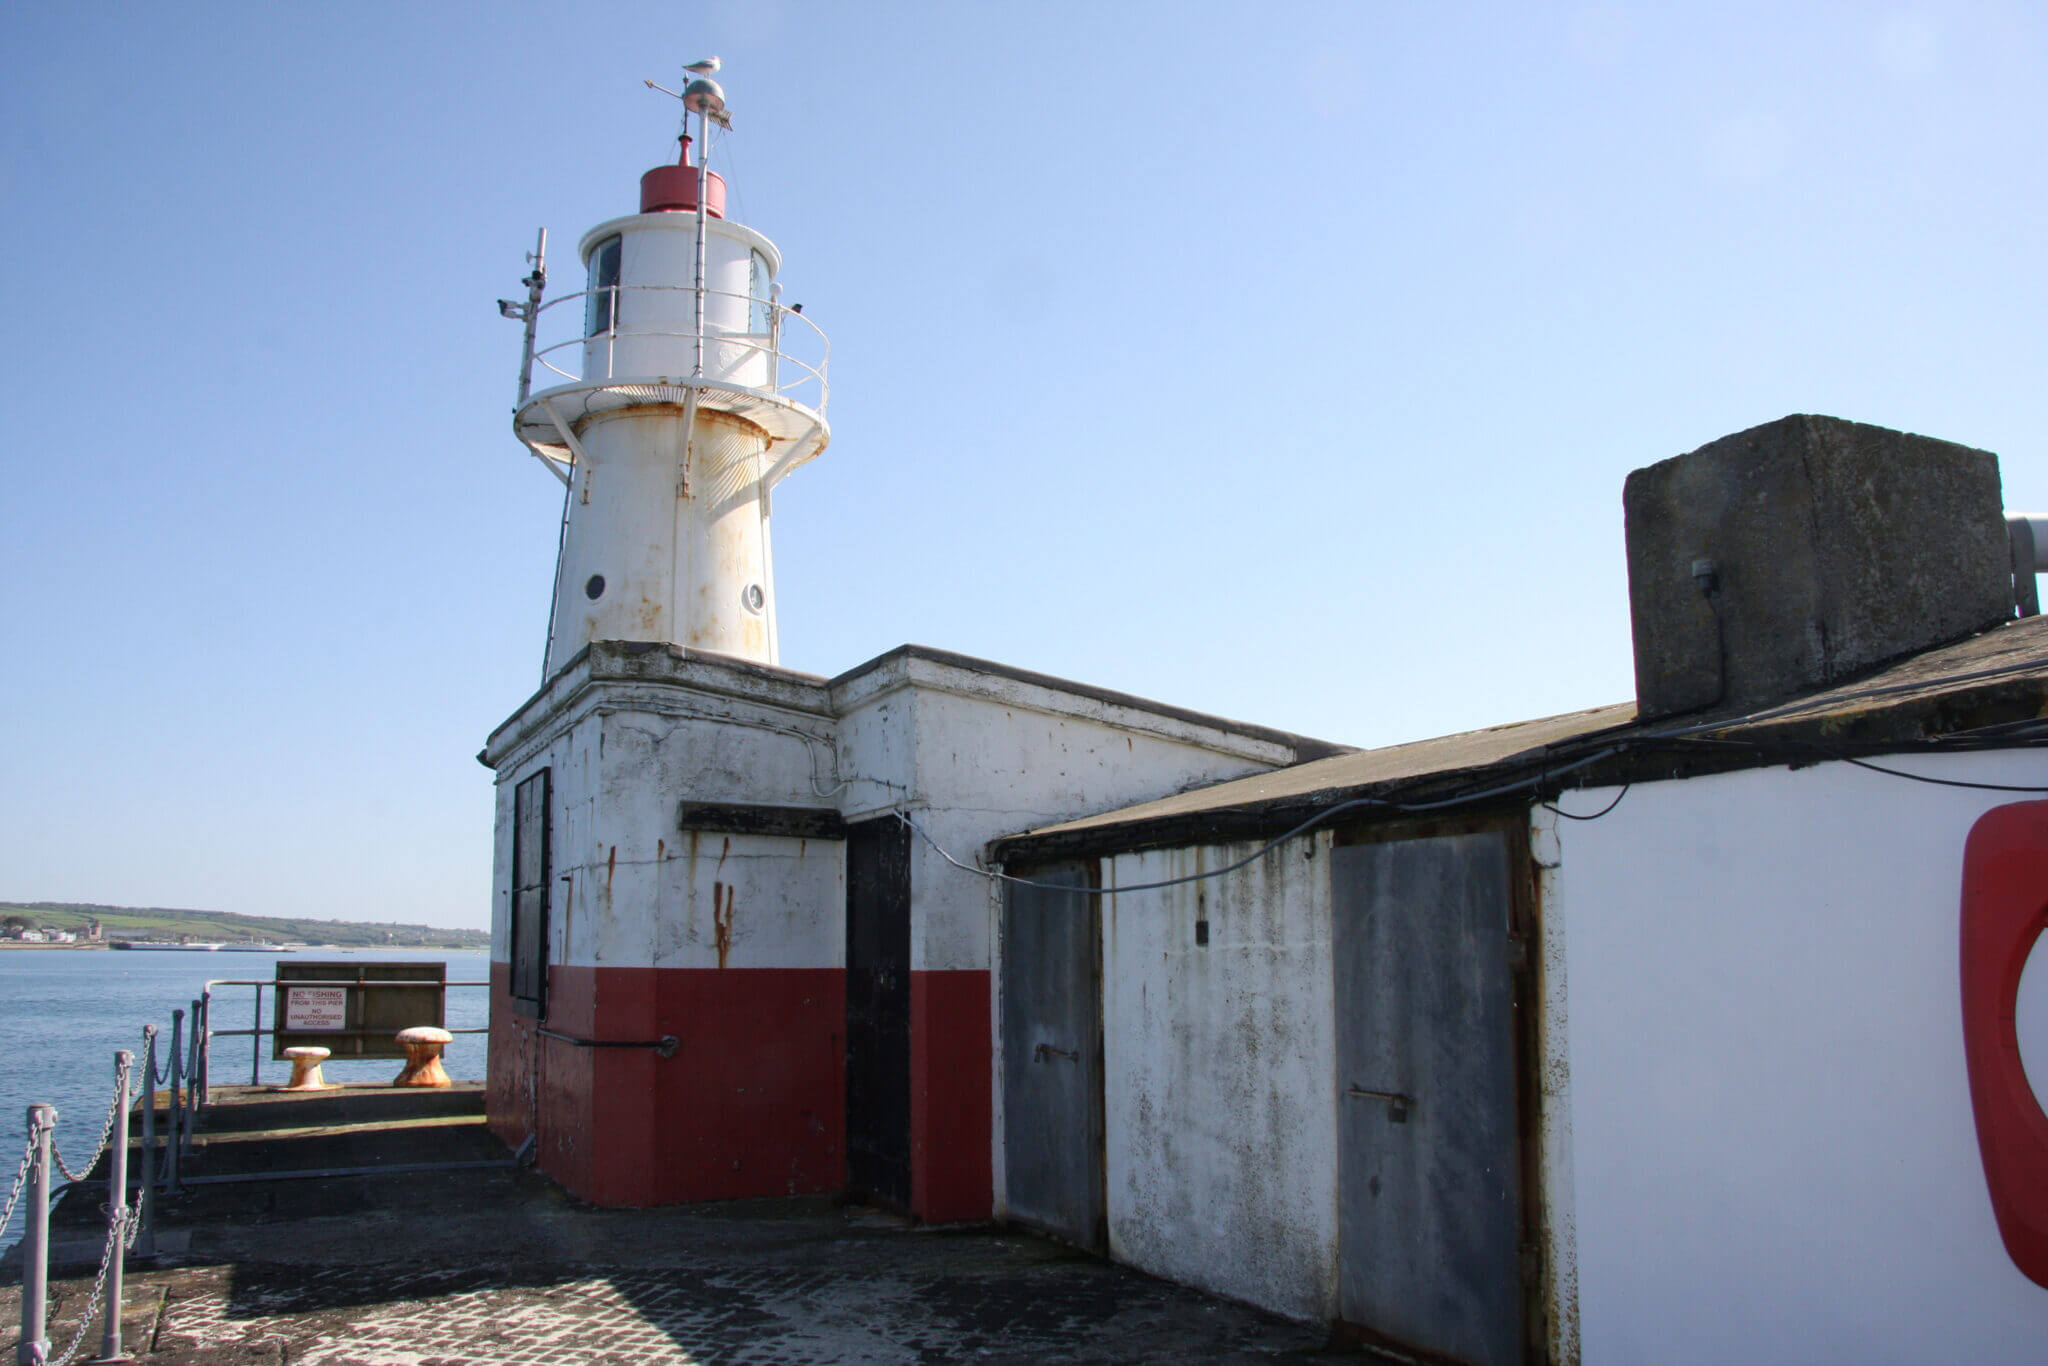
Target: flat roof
1989	690
1304	746
655	661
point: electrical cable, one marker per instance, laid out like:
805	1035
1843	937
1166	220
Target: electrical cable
1556	810
1383	803
1924	778
1535	781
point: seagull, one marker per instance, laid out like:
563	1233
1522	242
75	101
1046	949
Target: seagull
709	66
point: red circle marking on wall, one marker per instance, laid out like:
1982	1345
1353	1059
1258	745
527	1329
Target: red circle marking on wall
2005	909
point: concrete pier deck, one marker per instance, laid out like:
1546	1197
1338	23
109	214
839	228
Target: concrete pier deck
411	1265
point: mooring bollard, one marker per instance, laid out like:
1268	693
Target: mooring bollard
145	1242
35	1240
177	1100
117	1211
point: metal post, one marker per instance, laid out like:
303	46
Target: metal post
146	1242
205	1031
117	1210
534	282
177	1101
703	184
191	1078
256	1041
35	1241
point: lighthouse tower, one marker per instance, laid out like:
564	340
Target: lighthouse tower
730	953
687	391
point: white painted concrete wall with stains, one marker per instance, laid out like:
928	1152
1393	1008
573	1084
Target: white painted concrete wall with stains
1556	1211
627	892
644	885
972	755
1219	1072
571	752
1774	1157
993	766
751	901
877	752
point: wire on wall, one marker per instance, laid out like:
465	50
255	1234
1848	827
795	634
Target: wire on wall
1688	737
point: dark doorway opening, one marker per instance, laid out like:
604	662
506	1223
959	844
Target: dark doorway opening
878	1011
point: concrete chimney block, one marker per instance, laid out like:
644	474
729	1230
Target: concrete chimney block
1833	545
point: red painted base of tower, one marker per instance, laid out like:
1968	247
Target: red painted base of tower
751	1104
950	1052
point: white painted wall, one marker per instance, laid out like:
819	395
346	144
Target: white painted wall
1774	1158
570	750
783	900
973	757
1557	1211
639	889
992	761
671	562
642	887
1220	1075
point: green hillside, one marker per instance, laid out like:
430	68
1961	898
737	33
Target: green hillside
158	922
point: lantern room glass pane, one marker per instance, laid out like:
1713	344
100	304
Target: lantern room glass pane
759	285
601	307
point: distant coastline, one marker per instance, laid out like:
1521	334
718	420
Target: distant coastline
80	925
6	944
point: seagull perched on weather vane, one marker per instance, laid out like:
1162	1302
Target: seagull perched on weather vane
702	95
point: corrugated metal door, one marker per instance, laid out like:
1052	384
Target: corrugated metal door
878	1010
1429	1162
1052	1054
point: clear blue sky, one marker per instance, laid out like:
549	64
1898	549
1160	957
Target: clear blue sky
1281	361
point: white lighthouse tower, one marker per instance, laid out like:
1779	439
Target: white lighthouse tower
688	391
721	967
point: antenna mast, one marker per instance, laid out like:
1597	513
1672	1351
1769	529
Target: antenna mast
535	282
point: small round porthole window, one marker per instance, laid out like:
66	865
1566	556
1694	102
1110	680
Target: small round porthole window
594	587
752	598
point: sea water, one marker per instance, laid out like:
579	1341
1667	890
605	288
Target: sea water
64	1013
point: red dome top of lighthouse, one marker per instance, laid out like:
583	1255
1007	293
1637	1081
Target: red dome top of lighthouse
673	189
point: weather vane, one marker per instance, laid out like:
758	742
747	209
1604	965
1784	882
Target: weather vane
702	95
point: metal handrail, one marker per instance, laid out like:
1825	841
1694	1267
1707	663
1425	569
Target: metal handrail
768	344
204	1033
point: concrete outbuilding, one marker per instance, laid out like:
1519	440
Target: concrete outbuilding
736	970
1591	1038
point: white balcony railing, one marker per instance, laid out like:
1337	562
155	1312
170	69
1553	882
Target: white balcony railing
650	331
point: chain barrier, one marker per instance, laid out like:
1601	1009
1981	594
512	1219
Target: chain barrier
28	1160
106	1131
120	1236
157	1075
